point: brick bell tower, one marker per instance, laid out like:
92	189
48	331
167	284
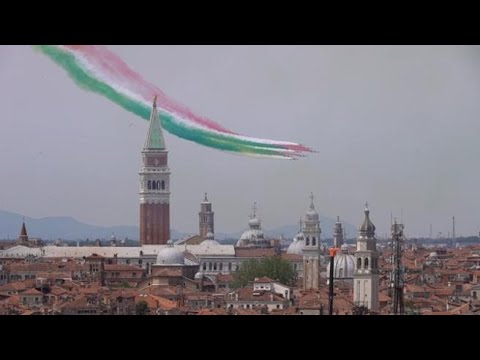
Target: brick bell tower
154	186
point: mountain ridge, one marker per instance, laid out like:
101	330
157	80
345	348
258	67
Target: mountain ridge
68	228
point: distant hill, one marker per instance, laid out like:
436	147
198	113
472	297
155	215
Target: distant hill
67	228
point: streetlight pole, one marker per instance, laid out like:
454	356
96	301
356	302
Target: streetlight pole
333	251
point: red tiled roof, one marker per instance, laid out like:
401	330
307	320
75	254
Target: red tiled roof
32	292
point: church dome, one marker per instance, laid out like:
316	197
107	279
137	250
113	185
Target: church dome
296	247
170	256
254	223
251	237
254	235
198	275
210	240
367	228
312	215
344	266
433	255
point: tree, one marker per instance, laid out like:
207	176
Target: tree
125	284
273	267
141	308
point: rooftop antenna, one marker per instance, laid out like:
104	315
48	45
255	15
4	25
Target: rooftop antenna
453	228
397	273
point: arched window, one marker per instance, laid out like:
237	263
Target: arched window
204	266
365	263
314	241
149	185
359	263
163	184
154	185
308	241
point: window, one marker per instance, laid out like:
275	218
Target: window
295	266
308	241
149	185
278	306
163	184
204	266
314	241
209	266
365	263
221	266
229	266
128	261
359	263
215	266
154	185
134	274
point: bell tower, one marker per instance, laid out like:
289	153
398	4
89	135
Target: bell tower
154	185
206	223
366	277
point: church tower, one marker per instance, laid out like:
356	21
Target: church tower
311	249
23	238
338	239
206	218
366	278
154	186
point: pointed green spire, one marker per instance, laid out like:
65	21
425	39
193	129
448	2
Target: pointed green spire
155	139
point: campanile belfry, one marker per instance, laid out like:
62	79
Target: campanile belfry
154	185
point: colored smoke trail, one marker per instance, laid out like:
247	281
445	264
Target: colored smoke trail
96	69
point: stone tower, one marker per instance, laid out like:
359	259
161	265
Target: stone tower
206	223
311	249
154	186
366	278
338	239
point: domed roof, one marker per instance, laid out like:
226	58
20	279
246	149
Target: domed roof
296	247
198	275
311	214
210	240
344	266
254	223
433	255
367	228
170	256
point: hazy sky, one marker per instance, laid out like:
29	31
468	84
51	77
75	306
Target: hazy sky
396	126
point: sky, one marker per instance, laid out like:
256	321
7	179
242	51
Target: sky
396	126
